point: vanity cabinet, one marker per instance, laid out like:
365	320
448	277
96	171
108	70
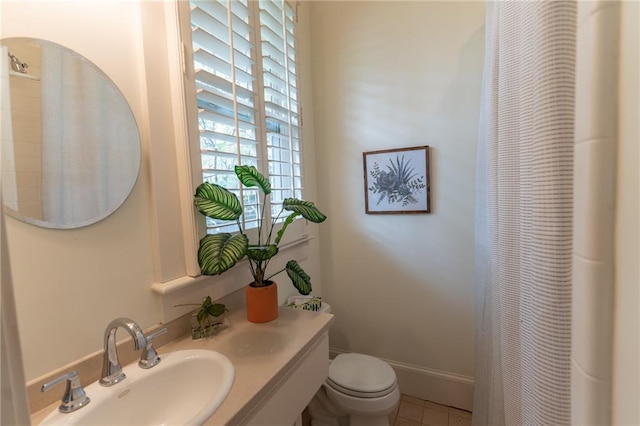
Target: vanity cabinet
279	367
285	403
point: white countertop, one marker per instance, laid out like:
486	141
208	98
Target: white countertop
262	354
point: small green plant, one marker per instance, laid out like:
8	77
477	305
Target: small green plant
208	311
208	317
218	253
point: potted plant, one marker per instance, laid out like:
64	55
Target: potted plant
218	253
210	319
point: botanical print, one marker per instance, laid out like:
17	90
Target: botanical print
399	183
397	180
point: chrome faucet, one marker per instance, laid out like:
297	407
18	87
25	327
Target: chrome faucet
111	369
74	397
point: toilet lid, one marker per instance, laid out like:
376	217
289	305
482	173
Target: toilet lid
361	375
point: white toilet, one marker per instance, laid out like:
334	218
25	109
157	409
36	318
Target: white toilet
361	390
363	387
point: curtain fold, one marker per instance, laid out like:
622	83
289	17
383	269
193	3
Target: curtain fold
86	166
524	215
9	180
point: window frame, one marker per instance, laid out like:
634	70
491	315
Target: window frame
297	231
175	225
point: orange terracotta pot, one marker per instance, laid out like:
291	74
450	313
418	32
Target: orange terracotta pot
262	303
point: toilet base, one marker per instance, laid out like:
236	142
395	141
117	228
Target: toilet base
324	412
327	408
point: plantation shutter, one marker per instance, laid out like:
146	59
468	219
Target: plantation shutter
226	89
282	109
245	63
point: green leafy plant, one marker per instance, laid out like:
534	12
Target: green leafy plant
209	317
208	311
218	253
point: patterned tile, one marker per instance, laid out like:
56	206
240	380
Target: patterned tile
410	411
413	400
405	422
432	414
416	412
433	417
455	420
460	413
434	406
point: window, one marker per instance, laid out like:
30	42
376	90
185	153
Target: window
246	87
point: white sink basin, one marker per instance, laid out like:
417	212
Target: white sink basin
186	388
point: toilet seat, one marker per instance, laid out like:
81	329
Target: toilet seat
361	376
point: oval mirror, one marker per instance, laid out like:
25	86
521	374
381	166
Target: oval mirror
70	143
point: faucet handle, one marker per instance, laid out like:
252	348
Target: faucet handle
74	396
149	357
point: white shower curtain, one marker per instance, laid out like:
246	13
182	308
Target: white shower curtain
9	182
14	397
524	215
85	170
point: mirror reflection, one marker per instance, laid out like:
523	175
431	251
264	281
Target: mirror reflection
70	144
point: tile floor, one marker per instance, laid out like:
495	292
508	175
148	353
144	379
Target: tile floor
416	412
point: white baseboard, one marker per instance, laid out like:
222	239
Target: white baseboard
443	387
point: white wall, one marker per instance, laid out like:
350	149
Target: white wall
391	75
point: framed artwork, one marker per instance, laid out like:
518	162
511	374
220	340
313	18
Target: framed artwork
397	181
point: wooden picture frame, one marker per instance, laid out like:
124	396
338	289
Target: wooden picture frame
396	181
